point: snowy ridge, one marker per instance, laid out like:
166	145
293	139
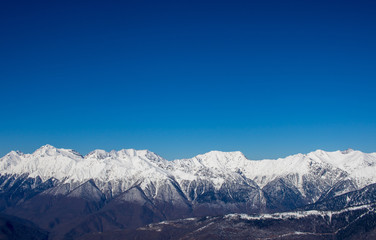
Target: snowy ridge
66	164
118	171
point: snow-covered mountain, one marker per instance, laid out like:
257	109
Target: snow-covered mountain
214	170
67	164
134	187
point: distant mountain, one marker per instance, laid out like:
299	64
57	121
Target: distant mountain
71	195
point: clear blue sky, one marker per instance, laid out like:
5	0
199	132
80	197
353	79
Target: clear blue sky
268	78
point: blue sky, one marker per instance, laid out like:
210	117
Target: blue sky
180	78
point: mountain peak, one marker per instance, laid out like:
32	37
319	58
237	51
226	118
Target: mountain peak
98	154
319	151
347	151
129	152
322	152
18	153
217	153
46	149
219	159
46	146
49	150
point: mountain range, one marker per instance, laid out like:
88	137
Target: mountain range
123	193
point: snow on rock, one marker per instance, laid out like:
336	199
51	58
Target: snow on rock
117	171
67	165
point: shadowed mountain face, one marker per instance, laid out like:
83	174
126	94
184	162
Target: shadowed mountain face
351	223
85	209
12	228
70	195
282	196
366	195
